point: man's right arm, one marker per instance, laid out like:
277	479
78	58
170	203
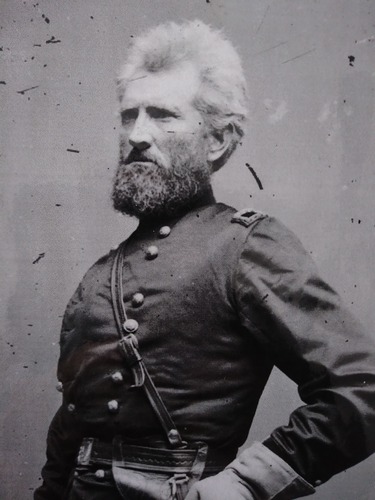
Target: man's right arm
62	449
63	439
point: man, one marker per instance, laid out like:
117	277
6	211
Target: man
168	342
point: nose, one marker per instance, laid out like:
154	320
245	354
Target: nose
140	137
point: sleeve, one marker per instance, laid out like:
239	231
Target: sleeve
315	341
62	449
64	438
257	474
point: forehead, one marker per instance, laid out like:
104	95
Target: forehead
176	87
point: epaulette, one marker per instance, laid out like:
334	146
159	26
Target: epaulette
247	216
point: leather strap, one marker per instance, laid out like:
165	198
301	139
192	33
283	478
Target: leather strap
153	456
128	345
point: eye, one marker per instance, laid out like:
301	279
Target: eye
161	113
128	115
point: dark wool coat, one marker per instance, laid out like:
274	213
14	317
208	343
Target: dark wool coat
218	303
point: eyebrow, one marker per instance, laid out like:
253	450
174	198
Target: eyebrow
169	109
161	107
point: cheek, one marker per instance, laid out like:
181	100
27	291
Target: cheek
123	138
185	142
185	150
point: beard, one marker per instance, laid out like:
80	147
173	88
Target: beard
150	190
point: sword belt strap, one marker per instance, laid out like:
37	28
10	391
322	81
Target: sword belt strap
128	345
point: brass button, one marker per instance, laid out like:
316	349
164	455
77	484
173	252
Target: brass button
113	406
100	474
152	252
59	386
138	299
71	408
164	231
130	325
117	377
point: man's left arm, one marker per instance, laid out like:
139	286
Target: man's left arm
300	321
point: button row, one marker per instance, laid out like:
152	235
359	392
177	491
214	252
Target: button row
130	326
99	474
116	377
113	406
152	251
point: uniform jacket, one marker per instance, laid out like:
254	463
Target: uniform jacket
224	300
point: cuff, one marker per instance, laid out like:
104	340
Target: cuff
269	476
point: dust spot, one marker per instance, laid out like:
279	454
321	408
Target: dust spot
22	92
53	40
254	174
299	56
40	256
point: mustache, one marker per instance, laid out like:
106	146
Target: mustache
138	156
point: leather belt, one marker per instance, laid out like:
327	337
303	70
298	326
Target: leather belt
96	452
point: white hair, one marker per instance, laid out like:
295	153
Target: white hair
222	98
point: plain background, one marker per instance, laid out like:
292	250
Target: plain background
310	66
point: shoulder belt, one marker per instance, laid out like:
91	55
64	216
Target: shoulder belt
246	217
128	345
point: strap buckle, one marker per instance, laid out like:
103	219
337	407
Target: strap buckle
129	348
176	482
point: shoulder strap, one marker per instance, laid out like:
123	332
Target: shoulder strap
246	217
128	345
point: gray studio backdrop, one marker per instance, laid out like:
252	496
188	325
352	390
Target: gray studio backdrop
311	71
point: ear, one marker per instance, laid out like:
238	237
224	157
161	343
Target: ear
219	142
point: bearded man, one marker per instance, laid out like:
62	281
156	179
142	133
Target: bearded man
169	340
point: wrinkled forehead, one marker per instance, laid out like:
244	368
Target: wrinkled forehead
176	87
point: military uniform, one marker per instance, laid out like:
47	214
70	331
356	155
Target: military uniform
215	299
